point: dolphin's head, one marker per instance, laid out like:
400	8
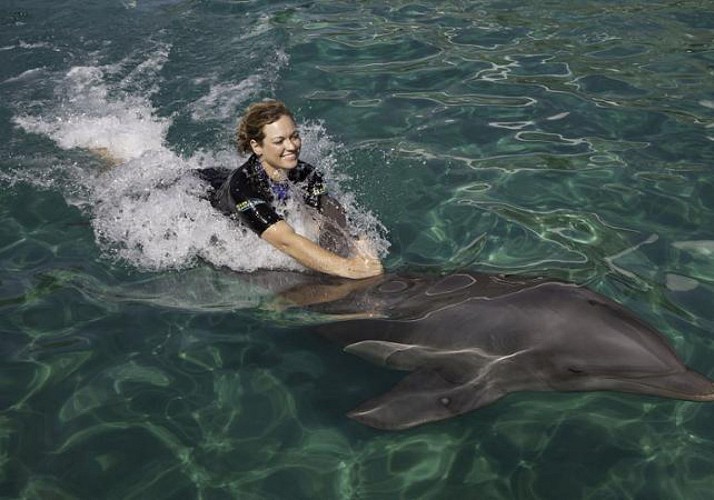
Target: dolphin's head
633	359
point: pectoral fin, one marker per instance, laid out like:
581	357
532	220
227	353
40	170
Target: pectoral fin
379	352
423	396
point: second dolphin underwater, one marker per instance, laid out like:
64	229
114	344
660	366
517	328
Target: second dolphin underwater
469	339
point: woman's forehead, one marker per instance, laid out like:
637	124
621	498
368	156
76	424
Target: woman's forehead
282	127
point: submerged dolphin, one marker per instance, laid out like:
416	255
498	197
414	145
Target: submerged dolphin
470	339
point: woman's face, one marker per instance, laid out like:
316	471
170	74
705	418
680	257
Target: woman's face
280	147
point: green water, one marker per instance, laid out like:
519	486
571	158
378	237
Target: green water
568	139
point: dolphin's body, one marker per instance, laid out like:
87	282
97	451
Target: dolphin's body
470	339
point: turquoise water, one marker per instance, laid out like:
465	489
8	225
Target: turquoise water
569	139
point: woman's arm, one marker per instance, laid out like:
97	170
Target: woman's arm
312	256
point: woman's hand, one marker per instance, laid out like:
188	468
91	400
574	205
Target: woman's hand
361	267
365	264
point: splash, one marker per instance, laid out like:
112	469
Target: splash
125	128
147	207
224	100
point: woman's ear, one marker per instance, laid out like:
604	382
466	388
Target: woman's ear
256	147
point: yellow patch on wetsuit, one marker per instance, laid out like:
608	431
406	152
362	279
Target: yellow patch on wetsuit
243	206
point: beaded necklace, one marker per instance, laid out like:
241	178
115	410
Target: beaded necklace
280	189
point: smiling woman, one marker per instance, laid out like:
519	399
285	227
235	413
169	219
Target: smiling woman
257	191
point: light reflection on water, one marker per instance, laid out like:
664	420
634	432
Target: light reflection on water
568	140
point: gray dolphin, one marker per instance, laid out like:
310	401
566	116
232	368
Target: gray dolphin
470	339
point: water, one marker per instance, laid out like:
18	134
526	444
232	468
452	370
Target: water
571	139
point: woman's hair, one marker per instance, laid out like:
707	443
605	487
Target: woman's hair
255	118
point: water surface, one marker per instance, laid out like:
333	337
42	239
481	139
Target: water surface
574	140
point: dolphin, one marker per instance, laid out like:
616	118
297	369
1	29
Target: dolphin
469	339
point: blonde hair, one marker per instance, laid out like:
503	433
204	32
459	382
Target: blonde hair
258	115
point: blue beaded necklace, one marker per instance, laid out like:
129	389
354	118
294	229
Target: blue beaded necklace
281	190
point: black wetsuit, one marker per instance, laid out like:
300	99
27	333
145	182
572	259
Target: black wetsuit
249	194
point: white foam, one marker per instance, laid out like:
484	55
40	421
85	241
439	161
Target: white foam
225	101
29	46
30	74
150	212
87	118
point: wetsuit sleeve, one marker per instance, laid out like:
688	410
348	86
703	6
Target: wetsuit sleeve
252	209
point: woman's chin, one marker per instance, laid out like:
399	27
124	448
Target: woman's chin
289	164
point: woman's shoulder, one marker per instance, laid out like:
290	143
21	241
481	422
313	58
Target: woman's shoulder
249	171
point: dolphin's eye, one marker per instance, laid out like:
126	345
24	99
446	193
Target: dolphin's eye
575	370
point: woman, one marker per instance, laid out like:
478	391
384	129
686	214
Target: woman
252	192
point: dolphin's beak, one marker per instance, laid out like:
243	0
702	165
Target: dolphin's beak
688	385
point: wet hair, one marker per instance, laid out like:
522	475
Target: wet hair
258	115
